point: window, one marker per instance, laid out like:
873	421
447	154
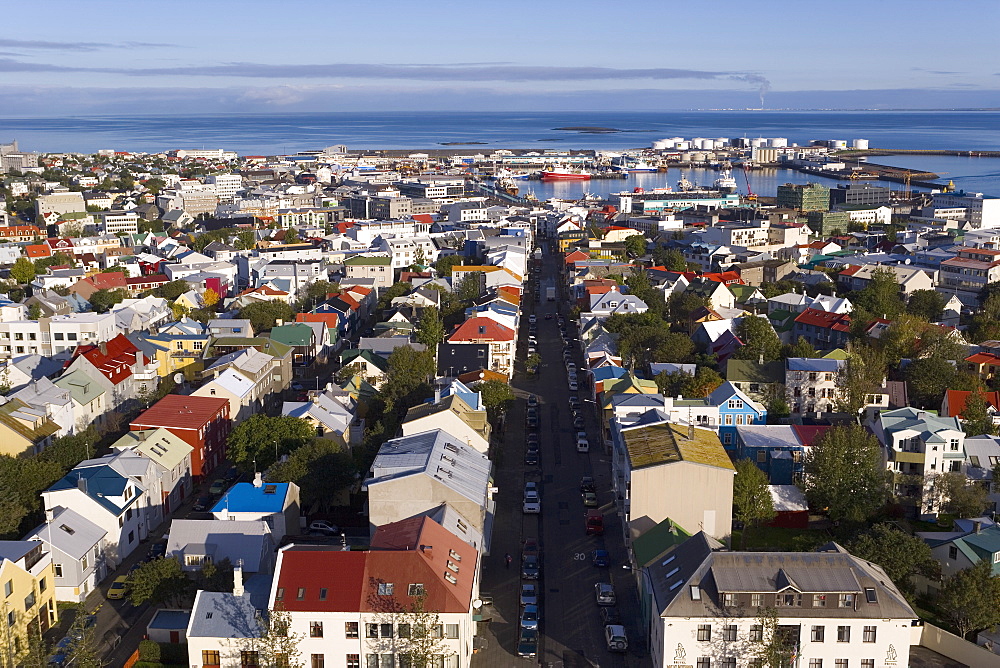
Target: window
385	630
704	662
704	632
953	445
437	631
451	631
819	600
386	659
8	588
729	419
371	630
371	660
867	663
385	588
350	629
815	663
279	594
42	585
756	600
843	634
729	632
869	634
870	595
318	661
11	618
847	600
729	600
789	600
315	629
728	662
736	404
818	634
761	456
403	631
210	657
301	594
353	661
757	633
29	602
841	663
415	590
249	659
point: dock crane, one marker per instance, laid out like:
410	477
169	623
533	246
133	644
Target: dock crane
746	177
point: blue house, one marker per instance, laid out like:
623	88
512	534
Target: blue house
274	503
726	409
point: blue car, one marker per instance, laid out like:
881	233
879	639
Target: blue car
600	558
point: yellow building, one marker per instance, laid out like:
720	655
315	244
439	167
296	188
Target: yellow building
175	353
24	429
27	596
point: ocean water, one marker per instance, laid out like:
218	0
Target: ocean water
271	134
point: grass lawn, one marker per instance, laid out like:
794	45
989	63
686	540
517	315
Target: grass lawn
780	539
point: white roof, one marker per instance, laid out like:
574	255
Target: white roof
788	498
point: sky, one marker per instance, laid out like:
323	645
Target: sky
61	58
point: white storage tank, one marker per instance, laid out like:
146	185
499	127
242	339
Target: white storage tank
760	142
777	142
682	145
722	142
699	157
662	144
838	144
861	144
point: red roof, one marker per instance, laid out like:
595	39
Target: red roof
424	218
19	230
851	270
576	255
111	280
725	277
360	289
331	318
114	359
38	250
809	434
840	322
141	280
957	398
181	411
416	550
983	358
481	329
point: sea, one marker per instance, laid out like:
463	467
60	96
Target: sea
272	134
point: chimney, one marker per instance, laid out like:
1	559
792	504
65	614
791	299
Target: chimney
437	393
760	359
238	579
978	526
81	483
103	347
691	431
50	515
258	480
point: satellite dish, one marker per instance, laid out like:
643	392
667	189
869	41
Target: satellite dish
179	378
477	604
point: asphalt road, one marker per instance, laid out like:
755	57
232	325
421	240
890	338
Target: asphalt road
571	630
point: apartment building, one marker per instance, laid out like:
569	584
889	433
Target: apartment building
29	602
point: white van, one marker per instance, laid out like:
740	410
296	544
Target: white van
582	444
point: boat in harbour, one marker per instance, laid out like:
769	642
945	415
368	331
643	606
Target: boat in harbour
726	183
564	174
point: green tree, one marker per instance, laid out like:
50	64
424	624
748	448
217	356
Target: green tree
681	305
970	599
470	288
291	236
407	378
801	348
155	185
926	304
397	289
532	363
104	299
961	497
497	396
635	245
276	645
424	645
161	581
899	554
214	576
264	314
928	379
172	290
976	418
430	330
246	239
881	295
670	259
845	474
860	376
445	263
759	340
320	468
264	439
83	648
774	649
34	312
23	271
752	502
704	381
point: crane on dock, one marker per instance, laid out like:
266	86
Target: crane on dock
746	177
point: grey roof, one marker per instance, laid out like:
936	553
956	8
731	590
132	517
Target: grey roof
36	366
221	539
385	345
700	562
821	365
439	455
223	615
69	532
768	436
14	550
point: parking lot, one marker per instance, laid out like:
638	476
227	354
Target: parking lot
571	623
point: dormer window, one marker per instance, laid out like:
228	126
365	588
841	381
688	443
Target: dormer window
728	600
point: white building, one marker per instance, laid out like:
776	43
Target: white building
225	185
832	608
119	222
980	211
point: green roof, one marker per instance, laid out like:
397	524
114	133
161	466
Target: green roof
293	334
748	371
9	417
368	260
348	356
668	443
653	543
81	387
836	354
741	292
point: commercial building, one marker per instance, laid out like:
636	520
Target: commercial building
803	197
859	194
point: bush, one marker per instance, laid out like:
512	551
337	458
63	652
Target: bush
149	650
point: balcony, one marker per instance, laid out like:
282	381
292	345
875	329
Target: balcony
908	457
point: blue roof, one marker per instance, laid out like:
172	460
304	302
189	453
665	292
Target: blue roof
808	364
170	619
102	482
243	497
607	372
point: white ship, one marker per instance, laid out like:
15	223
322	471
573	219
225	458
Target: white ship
725	183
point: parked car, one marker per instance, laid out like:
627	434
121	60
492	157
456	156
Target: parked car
532	422
578	421
529	593
527	643
594	522
574	403
529	617
573	386
587	484
324	527
570	367
590	500
582	444
532	503
529	548
600	558
202	504
548	316
532	440
530	567
532	401
614	638
532	318
218	487
531	457
604	592
232	473
117	589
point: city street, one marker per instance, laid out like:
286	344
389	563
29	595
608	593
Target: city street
571	629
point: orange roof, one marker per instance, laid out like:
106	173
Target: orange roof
38	250
576	255
482	375
840	322
983	358
957	399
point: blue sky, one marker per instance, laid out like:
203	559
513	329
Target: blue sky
64	58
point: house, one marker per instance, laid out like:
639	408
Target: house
175	352
223	624
704	606
276	504
309	342
333	416
358	604
779	450
29	595
270	372
501	340
790	507
723	410
715	292
919	446
983	364
245	396
414	474
229	327
856	277
170	482
102	492
201	422
249	543
77	547
811	384
24	428
953	404
378	268
822	329
119	367
960	550
454	416
662	469
760	382
55	402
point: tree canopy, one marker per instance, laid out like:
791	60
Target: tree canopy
899	554
759	340
319	468
881	296
845	474
161	581
23	271
104	299
635	245
926	304
264	314
430	329
259	436
752	502
976	419
445	263
970	599
497	396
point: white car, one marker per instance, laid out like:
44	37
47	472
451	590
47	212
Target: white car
573	386
582	444
532	319
532	503
530	487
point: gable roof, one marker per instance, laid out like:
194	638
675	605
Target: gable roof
113	359
181	412
477	329
840	322
69	532
669	443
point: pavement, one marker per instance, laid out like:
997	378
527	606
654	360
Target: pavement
571	631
